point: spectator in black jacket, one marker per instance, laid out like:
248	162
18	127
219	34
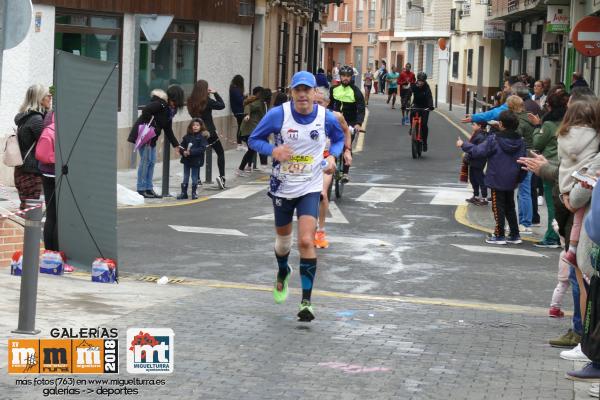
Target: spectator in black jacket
30	123
161	110
201	105
236	102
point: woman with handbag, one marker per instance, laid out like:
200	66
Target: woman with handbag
158	116
201	105
30	123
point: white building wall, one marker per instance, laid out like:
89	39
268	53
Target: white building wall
30	62
223	51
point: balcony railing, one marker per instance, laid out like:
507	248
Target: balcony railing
338	27
513	5
414	20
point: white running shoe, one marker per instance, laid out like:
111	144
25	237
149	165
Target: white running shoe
594	390
540	200
575	354
240	173
524	230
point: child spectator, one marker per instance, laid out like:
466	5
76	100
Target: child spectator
578	143
502	150
477	165
561	288
192	150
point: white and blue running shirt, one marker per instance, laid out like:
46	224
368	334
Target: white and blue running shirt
306	135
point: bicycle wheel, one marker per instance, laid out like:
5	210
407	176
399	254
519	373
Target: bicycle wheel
419	148
414	146
330	187
339	188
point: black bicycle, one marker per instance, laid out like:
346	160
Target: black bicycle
414	131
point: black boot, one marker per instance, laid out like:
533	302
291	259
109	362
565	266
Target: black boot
183	195
194	195
152	193
144	194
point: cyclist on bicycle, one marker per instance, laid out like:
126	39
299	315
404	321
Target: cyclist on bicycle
349	100
422	98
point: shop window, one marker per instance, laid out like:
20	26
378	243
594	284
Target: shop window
94	36
174	62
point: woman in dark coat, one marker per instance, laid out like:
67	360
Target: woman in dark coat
201	105
161	110
30	123
236	102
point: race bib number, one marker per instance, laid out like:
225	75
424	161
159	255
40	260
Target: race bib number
298	168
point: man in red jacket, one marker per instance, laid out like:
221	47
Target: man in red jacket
407	77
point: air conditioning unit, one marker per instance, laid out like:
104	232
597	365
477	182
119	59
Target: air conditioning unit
551	49
372	38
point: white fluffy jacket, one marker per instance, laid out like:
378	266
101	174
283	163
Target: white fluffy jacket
576	150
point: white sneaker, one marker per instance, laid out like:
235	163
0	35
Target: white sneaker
594	390
523	230
575	354
240	173
540	200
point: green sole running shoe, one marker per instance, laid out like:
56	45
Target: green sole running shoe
281	296
306	313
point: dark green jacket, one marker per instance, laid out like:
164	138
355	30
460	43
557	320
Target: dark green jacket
544	140
525	129
256	110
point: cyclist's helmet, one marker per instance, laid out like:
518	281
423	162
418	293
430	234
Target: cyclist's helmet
422	76
346	70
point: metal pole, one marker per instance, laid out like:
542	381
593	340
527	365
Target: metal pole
208	163
134	97
450	102
475	103
485	107
29	276
436	96
468	102
166	167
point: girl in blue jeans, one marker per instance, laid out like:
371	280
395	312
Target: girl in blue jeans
192	148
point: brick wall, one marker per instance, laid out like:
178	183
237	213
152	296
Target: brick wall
11	240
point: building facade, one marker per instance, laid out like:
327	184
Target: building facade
471	54
197	45
418	29
529	45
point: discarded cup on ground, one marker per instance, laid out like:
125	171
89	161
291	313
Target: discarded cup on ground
163	281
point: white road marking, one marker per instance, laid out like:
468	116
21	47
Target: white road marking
380	195
499	250
210	231
335	217
448	198
336	214
239	192
353	240
428	188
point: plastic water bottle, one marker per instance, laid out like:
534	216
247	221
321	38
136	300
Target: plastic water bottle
324	164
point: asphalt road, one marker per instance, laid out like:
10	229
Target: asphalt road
404	247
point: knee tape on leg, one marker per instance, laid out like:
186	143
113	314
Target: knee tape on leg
283	244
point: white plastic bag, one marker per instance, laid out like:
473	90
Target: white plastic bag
128	197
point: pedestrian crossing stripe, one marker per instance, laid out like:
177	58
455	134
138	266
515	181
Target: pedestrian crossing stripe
239	192
209	230
505	250
380	195
335	215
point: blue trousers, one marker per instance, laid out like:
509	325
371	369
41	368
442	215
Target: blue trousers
577	324
524	199
195	173
146	167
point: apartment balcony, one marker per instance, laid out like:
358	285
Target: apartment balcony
305	7
414	20
338	27
514	10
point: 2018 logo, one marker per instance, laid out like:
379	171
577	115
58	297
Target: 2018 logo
150	351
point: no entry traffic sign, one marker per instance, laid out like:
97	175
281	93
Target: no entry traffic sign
586	36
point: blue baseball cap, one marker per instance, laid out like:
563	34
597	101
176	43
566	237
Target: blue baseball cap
304	78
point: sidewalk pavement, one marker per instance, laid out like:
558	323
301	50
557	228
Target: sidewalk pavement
232	342
128	177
